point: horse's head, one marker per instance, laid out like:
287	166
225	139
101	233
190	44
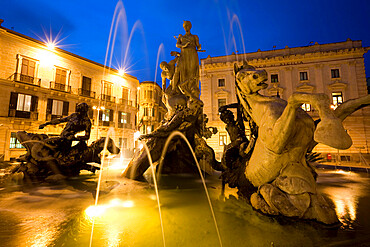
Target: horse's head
248	80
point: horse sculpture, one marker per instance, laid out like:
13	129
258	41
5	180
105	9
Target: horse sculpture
272	170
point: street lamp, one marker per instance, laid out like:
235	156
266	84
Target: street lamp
98	108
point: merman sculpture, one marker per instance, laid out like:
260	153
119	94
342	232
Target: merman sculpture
270	169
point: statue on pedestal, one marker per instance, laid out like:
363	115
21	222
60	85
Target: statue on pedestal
185	114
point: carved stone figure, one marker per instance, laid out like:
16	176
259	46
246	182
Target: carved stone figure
185	114
48	156
282	181
186	75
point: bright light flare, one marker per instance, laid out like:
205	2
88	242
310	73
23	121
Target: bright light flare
121	72
137	134
98	211
95	211
50	46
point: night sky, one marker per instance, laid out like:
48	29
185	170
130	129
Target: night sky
83	26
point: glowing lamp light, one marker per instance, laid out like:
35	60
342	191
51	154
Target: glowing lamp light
50	45
333	107
121	72
128	204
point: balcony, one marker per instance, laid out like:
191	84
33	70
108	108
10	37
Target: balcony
86	93
25	79
125	125
23	114
106	123
60	87
126	102
108	98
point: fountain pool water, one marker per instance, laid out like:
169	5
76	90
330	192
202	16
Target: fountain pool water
127	215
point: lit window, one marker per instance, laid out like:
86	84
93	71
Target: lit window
221	102
303	76
24	102
105	115
14	143
274	78
306	107
335	73
124	117
222	139
221	82
57	108
337	98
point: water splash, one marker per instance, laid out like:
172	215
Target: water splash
156	188
178	133
99	180
160	51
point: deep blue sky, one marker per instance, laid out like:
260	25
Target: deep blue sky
84	26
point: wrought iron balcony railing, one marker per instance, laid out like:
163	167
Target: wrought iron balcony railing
108	98
126	102
60	87
25	79
23	114
86	93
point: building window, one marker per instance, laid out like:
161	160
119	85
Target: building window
148	94
146	111
222	139
21	105
14	143
221	102
153	112
337	98
86	86
61	76
107	88
274	78
124	117
306	107
335	73
57	108
125	94
303	76
107	115
28	70
221	82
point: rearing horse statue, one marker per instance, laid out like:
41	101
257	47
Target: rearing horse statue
277	169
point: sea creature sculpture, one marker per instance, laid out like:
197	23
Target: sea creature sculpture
277	179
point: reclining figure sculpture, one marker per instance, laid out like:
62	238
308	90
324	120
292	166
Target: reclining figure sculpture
270	168
49	156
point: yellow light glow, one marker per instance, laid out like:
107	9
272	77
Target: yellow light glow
137	134
95	211
102	107
121	72
128	204
46	57
50	45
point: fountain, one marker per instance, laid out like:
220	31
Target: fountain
263	174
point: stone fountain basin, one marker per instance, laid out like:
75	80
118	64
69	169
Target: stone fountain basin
56	215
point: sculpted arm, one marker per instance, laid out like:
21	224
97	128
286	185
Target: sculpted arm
56	121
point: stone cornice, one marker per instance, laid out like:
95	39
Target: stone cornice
296	59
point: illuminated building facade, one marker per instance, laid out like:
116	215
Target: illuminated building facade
40	82
336	69
151	108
